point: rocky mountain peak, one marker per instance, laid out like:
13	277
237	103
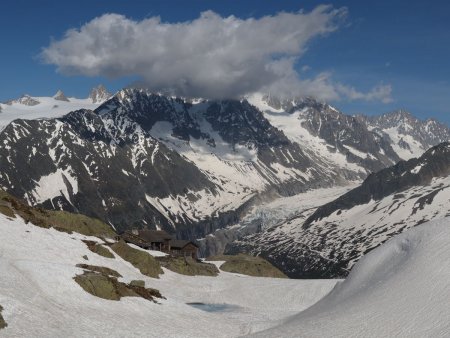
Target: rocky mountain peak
402	127
288	104
397	118
25	99
402	119
60	96
99	94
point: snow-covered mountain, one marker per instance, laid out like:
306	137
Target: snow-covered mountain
174	162
188	166
271	215
25	100
327	241
409	136
368	141
99	94
341	140
32	107
60	96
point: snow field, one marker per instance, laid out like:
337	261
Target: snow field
400	289
47	108
41	299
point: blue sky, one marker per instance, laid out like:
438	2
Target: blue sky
401	44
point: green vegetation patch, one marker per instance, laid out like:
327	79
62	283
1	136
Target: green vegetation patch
60	220
188	266
137	282
141	260
248	265
66	221
2	321
107	287
101	269
98	249
7	211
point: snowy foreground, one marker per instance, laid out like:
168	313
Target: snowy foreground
40	298
400	289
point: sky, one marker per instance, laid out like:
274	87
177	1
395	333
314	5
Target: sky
362	57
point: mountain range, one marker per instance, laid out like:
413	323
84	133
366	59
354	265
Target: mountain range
198	168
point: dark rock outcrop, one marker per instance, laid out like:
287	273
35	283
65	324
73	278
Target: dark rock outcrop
2	321
105	286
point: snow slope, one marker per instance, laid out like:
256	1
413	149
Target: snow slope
401	289
286	208
48	107
40	298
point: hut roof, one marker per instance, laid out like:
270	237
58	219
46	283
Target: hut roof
180	244
147	236
154	236
131	238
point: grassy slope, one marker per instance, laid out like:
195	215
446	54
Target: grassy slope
248	265
141	260
99	282
98	249
188	266
60	220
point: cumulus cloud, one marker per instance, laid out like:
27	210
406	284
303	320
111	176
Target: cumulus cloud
322	86
211	56
378	93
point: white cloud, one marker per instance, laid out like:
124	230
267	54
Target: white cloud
211	56
322	86
306	68
378	93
